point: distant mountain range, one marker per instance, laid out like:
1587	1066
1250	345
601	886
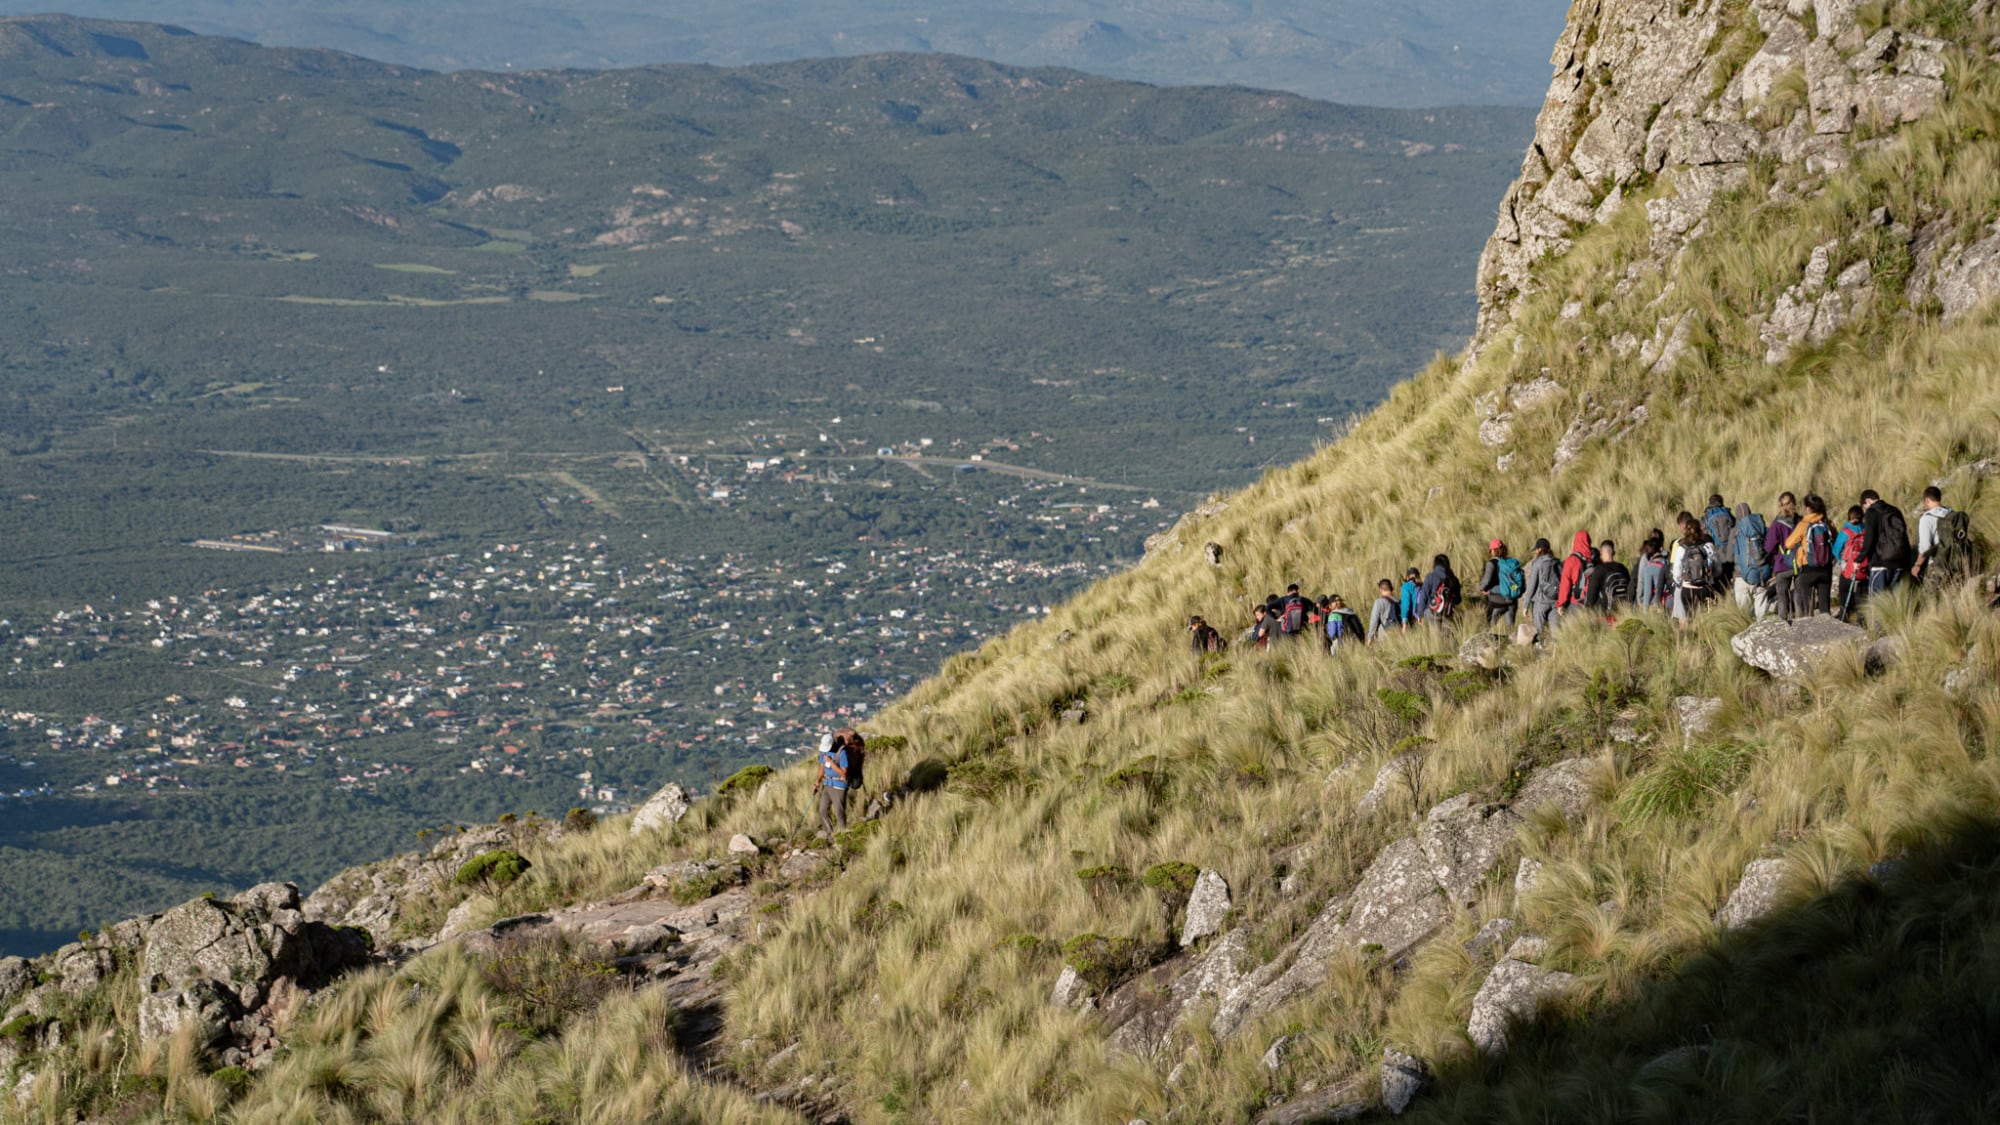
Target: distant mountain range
1371	52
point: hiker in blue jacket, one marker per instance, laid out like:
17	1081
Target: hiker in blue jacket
832	785
1751	561
1411	594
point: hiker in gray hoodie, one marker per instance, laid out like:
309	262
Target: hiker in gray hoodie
1386	615
1544	576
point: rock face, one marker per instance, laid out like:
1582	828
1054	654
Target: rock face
1642	89
1756	895
1403	897
1403	1078
662	810
1790	651
375	897
1513	990
214	964
1343	1102
1207	906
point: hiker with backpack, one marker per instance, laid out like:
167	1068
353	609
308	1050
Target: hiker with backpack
1258	635
1946	553
1654	582
1411	597
1441	593
1811	544
1751	561
1851	573
1607	585
1202	636
1693	565
830	790
1386	615
1885	542
1292	611
1720	524
1503	582
1569	590
1343	625
1539	590
1782	576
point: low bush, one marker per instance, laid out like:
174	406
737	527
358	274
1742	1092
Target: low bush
495	868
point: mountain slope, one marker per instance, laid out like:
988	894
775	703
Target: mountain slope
1743	896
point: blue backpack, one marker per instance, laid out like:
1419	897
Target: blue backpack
1510	583
1753	563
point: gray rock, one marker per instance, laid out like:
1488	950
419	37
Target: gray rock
1564	786
1756	895
1696	714
1966	278
1463	840
1492	936
1400	771
1075	716
1207	906
1213	553
17	976
1883	654
1791	651
1276	1054
801	864
1528	947
1483	650
1071	990
1342	1102
460	919
79	968
1403	1078
1511	992
663	809
1526	876
207	963
740	844
1397	903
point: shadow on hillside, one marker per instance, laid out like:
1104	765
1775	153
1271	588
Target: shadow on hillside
1878	1001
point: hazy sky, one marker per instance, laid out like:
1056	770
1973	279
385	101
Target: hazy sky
1384	52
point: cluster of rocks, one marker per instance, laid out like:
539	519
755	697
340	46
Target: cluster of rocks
1402	899
380	897
232	969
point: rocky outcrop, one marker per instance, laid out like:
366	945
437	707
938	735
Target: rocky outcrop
662	810
1756	894
1791	650
1404	897
1207	907
218	965
380	897
1643	90
1512	992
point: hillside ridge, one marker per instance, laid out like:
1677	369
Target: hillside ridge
1641	870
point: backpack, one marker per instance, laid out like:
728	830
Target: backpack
1293	618
1818	547
1697	569
1616	588
1206	639
1720	524
1753	562
1897	533
1954	554
1511	582
1851	566
857	761
1342	626
1445	599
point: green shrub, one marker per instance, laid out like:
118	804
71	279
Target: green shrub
687	892
494	868
1684	781
1173	881
579	820
983	777
875	915
886	743
854	841
21	1030
235	1079
1407	706
548	980
1138	775
743	781
1103	962
1430	662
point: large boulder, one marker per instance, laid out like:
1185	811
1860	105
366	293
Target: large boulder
1403	1077
662	810
1343	1101
1463	839
1512	991
17	976
1207	907
210	962
1564	786
1756	894
1792	650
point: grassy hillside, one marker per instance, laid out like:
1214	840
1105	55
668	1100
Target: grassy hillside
913	982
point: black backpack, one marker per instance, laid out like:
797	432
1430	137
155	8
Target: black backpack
857	760
1897	534
1615	587
1954	554
1697	570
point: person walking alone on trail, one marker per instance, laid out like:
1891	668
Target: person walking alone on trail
1783	575
1503	582
1885	542
1441	593
1569	592
1751	562
1539	589
1812	560
831	788
1385	615
1654	582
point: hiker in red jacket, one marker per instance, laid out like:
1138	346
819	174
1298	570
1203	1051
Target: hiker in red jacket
1569	592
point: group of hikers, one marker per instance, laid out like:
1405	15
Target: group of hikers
1797	563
